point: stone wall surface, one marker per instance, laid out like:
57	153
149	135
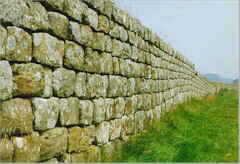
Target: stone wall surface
78	77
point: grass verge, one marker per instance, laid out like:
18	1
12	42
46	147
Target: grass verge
196	131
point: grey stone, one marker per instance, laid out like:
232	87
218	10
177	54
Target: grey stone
53	143
64	82
48	89
97	85
6	78
109	108
99	111
48	49
106	63
86	112
19	45
81	85
46	113
75	9
59	24
93	61
91	18
74	56
108	43
3	41
117	86
69	111
16	117
102	133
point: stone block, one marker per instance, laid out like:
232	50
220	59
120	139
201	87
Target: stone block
48	49
108	43
109	108
53	143
26	149
106	63
117	86
59	24
99	41
123	34
139	121
103	24
6	150
48	88
46	113
93	154
82	34
75	9
16	117
97	85
74	56
93	61
114	30
117	48
118	107
99	112
131	105
107	152
27	14
86	112
19	45
102	133
81	85
116	66
80	139
3	41
57	5
91	18
115	129
63	82
6	79
69	111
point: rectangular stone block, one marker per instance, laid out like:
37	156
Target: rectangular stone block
81	85
27	148
99	112
86	112
75	9
16	117
99	41
3	41
131	86
139	121
108	43
93	61
48	88
115	129
102	133
53	143
93	154
91	18
97	85
103	24
106	63
82	34
64	82
80	139
6	150
117	86
48	49
46	113
109	108
116	66
6	79
19	45
118	107
69	111
131	105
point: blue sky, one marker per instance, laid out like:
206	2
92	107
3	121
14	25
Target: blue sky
205	31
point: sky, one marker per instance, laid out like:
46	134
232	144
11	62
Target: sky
205	31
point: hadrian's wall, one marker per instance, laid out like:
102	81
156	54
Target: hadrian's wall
77	78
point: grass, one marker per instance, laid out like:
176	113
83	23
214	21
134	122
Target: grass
196	131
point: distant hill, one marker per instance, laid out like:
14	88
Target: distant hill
217	78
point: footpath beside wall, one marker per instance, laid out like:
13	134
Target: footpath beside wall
78	77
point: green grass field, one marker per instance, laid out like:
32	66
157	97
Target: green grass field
196	131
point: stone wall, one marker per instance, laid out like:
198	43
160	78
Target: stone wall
77	78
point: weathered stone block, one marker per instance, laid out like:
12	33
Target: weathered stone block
118	107
48	88
69	111
93	154
57	5
123	34
98	5
102	133
106	63
3	41
74	56
99	41
116	66
6	150
80	139
46	113
131	105
131	86
27	14
59	24
16	117
125	67
108	43
139	121
48	49
97	85
114	30
86	112
93	61
64	82
117	86
107	152
99	111
120	16
109	108
6	78
75	9
81	85
91	18
26	149
19	45
115	129
128	126
82	34
53	143
103	24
